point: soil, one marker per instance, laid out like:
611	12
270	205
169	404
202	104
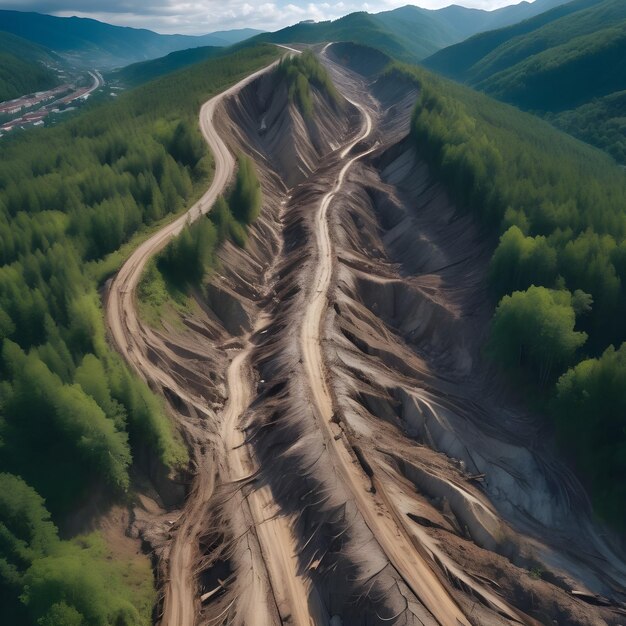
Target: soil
355	459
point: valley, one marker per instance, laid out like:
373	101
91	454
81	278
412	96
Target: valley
313	318
355	460
43	104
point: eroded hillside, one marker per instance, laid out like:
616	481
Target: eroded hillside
355	459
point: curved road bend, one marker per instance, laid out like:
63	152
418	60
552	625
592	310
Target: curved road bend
121	314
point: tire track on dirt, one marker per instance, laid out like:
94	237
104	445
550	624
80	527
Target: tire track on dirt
273	529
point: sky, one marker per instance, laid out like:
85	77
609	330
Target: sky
196	17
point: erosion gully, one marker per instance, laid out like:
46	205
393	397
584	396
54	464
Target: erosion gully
354	461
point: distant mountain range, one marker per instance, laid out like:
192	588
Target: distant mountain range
89	43
568	64
565	61
409	33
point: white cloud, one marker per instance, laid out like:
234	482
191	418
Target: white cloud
202	16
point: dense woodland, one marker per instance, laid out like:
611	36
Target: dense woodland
24	67
73	419
144	71
559	271
192	255
565	76
188	258
300	72
601	122
479	56
18	77
568	65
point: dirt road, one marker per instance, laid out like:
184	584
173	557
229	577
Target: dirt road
121	313
289	589
415	571
329	504
126	330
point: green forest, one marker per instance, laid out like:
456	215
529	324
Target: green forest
73	419
487	52
192	255
558	272
601	122
18	77
144	71
567	75
22	69
300	72
568	65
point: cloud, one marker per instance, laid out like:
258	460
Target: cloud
202	16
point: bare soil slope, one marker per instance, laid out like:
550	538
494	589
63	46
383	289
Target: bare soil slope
356	461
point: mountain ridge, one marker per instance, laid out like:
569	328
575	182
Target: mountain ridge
88	42
566	64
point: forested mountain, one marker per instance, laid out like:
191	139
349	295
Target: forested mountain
95	44
558	274
144	71
601	122
465	61
409	33
74	421
554	64
461	22
24	67
358	27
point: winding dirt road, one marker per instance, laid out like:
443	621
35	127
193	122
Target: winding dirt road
126	331
280	578
414	570
271	585
121	314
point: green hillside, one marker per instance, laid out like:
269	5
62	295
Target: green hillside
87	42
601	122
357	27
565	76
553	64
468	22
75	423
142	72
22	69
490	51
455	23
558	273
409	33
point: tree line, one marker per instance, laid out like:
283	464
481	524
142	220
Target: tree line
187	258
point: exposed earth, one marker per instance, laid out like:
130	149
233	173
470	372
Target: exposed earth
356	460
